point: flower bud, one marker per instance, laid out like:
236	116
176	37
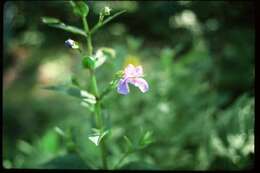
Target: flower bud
71	44
106	11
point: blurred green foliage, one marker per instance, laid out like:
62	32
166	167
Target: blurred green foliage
198	58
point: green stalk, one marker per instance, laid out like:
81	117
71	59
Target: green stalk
97	111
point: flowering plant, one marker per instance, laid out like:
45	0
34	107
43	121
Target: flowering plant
92	100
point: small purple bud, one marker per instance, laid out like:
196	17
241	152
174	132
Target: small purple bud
71	44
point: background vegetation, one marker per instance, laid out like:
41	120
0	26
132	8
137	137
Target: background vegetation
199	61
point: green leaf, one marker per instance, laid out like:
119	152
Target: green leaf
97	137
49	142
56	23
25	147
139	166
50	20
70	161
59	131
88	62
145	139
80	8
130	145
69	28
75	92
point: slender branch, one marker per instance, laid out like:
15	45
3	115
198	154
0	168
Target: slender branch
99	24
89	42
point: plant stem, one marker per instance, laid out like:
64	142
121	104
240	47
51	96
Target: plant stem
99	121
98	118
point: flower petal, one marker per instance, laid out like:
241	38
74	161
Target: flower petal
122	87
129	70
140	83
139	71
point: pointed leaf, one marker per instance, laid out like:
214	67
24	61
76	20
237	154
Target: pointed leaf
50	20
69	28
130	145
94	139
56	23
59	131
146	139
97	137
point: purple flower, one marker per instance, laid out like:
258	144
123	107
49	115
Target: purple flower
132	75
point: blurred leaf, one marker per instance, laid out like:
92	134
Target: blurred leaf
130	146
80	8
7	164
145	140
139	166
103	54
167	55
49	142
111	53
59	131
134	43
70	161
50	20
75	92
25	147
87	105
56	23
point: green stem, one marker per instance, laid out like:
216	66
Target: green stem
89	42
90	48
97	111
99	121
